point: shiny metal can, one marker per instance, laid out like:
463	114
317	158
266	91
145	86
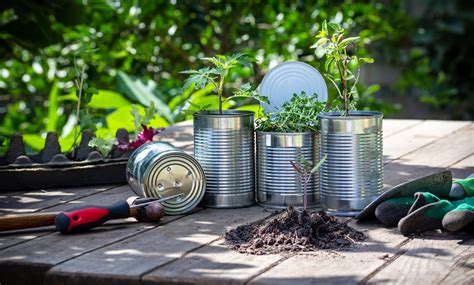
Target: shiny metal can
278	183
159	170
352	175
224	146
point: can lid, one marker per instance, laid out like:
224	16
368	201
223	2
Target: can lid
175	173
288	78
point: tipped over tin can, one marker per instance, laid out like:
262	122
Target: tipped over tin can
160	170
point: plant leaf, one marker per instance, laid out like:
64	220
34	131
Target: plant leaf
317	166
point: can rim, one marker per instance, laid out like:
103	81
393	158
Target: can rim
225	113
352	115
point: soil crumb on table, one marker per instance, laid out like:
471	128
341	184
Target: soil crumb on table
293	231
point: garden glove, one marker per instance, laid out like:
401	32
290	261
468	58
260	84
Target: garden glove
429	212
391	211
438	184
464	213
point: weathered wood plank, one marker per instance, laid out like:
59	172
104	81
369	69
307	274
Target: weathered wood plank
431	158
391	127
338	267
463	168
38	255
126	261
431	259
35	200
418	136
48	201
462	270
212	264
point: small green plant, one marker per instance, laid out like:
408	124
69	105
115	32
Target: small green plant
216	75
84	95
342	64
139	120
102	145
306	170
300	114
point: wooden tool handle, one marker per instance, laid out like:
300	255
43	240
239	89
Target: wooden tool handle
26	221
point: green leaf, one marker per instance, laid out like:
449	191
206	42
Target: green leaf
371	89
101	145
336	27
366	59
87	121
317	166
136	118
35	141
144	92
52	108
349	40
122	118
200	78
107	99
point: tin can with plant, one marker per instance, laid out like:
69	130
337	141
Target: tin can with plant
224	139
288	140
352	140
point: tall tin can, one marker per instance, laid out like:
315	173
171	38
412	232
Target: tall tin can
352	175
278	183
224	146
158	169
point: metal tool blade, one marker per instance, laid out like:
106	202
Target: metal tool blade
157	200
438	184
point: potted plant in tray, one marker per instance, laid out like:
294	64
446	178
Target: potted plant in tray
287	142
224	139
352	140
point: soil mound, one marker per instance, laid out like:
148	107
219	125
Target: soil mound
293	231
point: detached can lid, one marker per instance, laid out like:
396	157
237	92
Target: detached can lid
175	172
288	78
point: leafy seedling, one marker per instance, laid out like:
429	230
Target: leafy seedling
216	75
138	120
300	114
340	64
102	145
305	169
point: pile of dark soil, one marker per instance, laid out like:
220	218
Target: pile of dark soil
293	231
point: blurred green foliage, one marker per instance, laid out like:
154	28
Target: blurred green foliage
139	47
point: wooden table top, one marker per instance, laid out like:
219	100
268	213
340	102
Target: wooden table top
188	249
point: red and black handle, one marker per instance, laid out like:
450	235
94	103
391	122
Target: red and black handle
84	218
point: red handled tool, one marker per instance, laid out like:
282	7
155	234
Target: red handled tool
86	217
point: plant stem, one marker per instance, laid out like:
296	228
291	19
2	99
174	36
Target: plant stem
305	190
79	85
346	96
220	90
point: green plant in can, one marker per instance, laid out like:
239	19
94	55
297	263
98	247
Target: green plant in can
298	115
342	64
216	75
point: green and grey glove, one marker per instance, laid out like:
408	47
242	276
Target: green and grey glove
430	213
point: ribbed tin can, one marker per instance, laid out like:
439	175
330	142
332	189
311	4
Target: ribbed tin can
278	183
224	146
352	175
159	170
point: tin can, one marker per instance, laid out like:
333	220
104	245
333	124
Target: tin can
278	183
159	170
224	146
352	175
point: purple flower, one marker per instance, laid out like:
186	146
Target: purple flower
146	135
